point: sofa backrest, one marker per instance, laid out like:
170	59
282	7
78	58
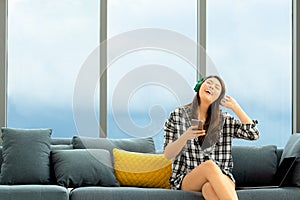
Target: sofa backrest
142	145
61	143
255	165
1	159
252	165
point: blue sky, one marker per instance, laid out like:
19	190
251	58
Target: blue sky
49	42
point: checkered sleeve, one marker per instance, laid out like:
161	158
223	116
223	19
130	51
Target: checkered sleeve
170	132
239	130
172	129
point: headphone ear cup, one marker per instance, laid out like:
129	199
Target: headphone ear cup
197	86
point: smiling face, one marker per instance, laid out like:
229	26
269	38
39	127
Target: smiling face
210	90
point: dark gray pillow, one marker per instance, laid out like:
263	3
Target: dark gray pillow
26	156
142	145
83	167
253	165
292	149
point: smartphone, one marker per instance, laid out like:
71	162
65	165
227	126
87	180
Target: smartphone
198	123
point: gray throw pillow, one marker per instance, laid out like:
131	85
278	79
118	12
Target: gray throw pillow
83	167
142	145
254	165
26	156
292	149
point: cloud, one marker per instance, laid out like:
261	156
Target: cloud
48	42
252	51
168	14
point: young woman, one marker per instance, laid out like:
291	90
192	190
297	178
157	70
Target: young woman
202	159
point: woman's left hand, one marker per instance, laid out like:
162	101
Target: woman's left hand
229	102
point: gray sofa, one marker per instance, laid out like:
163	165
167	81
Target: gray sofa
253	166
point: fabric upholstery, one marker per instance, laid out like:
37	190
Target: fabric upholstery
83	167
141	169
143	145
292	149
26	156
33	192
254	165
132	193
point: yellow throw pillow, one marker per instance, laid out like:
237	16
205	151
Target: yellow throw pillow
141	169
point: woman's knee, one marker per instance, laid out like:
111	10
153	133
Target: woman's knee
208	191
206	188
211	165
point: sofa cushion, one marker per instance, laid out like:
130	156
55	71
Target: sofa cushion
61	147
254	165
60	141
141	169
26	156
33	192
143	145
132	193
292	149
83	167
280	193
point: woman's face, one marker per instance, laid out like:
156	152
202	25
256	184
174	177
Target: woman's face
210	90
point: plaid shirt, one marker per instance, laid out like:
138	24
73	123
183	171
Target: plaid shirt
191	155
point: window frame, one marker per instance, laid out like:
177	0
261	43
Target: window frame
295	66
201	37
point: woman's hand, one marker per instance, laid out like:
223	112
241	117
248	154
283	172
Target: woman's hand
193	132
173	148
229	102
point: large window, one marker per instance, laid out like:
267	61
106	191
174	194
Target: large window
141	89
48	41
250	43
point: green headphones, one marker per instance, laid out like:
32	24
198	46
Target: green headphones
197	86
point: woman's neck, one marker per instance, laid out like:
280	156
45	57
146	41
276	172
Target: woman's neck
202	114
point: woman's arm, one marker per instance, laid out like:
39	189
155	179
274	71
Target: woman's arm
231	103
244	127
174	148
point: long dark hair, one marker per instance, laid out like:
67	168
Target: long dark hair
213	120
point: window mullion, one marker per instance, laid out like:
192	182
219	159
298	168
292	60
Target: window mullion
296	69
103	69
3	60
201	38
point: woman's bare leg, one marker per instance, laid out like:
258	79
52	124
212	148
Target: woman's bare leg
209	172
208	192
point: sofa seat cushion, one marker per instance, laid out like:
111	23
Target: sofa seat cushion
254	165
30	192
284	193
131	193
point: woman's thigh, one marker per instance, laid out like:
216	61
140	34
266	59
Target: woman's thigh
206	172
195	179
